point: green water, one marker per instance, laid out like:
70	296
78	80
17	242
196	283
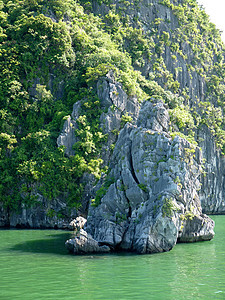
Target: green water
34	265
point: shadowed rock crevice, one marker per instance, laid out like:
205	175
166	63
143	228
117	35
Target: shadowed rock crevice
132	169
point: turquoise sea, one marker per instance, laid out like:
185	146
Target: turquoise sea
35	265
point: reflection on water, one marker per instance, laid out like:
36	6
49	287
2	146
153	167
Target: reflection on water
35	265
51	243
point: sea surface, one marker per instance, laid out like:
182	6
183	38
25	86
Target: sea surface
35	265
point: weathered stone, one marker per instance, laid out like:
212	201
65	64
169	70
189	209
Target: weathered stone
67	137
197	228
156	183
212	193
154	116
84	243
117	103
4	219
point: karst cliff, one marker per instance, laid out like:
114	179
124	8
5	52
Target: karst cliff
113	111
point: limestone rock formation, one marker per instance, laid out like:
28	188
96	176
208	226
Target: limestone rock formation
115	103
152	201
147	11
212	194
197	228
155	191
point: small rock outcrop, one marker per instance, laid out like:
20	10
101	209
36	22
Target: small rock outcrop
152	200
197	228
84	244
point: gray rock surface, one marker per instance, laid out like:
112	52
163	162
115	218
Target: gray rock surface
42	214
4	219
153	199
84	244
212	193
115	103
67	138
147	11
197	228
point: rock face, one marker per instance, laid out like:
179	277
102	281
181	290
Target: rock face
152	201
67	137
147	11
197	228
41	215
212	194
114	103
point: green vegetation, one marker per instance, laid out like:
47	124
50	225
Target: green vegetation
51	54
188	215
125	119
168	207
47	64
143	187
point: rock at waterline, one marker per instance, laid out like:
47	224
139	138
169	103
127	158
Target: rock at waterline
152	201
83	243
